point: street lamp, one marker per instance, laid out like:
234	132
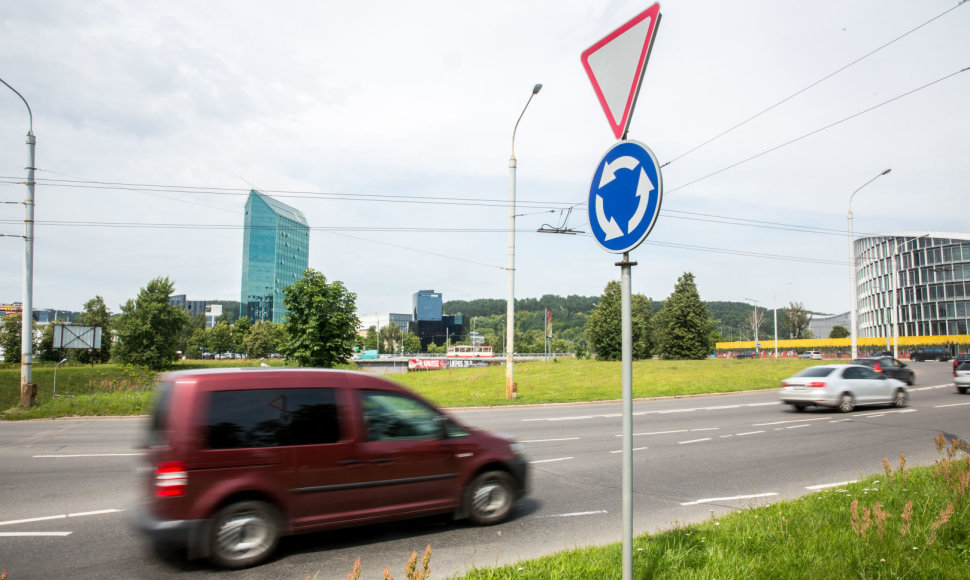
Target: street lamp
54	392
853	317
510	306
27	316
774	304
755	322
895	316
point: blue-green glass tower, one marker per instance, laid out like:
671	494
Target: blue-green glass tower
276	243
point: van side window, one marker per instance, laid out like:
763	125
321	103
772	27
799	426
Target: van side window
272	418
390	416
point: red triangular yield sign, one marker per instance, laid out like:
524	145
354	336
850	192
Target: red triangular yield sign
615	66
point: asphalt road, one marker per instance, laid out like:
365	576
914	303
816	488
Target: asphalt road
66	485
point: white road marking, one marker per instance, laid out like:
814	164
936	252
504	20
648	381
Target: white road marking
950	405
736	497
575	514
796	426
656	433
88	455
749	433
60	517
827	485
634	449
551	460
33	534
706	429
791	421
693	441
550	440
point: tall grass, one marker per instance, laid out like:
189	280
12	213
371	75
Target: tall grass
903	523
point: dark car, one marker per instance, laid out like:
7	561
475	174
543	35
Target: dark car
888	366
239	457
940	354
960	358
745	355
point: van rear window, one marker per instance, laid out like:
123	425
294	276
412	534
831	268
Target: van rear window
159	420
272	418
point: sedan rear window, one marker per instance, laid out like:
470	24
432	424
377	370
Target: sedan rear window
816	372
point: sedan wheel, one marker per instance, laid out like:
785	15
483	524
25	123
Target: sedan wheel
243	534
846	403
901	399
488	499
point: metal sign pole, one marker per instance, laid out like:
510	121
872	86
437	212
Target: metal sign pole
626	305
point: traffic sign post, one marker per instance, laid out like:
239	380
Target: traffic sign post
624	199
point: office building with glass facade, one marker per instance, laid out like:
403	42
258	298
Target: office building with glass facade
930	272
427	305
276	244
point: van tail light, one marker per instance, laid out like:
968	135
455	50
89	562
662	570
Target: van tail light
815	384
171	479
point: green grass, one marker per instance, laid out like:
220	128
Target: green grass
120	390
904	523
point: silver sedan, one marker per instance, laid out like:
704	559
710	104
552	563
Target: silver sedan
843	387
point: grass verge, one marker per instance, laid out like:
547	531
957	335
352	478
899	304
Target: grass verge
904	523
120	390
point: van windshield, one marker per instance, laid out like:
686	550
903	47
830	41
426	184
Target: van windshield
159	420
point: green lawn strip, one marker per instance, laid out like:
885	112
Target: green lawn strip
861	530
562	381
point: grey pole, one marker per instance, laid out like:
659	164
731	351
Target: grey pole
626	329
510	300
27	316
853	307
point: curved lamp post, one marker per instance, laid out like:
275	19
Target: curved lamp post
510	306
775	308
54	393
853	308
27	315
755	322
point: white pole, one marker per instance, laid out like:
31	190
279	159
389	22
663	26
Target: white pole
510	300
853	307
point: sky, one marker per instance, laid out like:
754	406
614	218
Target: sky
389	125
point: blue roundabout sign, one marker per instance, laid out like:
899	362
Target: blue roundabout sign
625	196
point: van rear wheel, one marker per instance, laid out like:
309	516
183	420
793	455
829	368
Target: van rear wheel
488	499
243	534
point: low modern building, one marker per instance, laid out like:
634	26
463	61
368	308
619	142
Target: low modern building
822	325
930	273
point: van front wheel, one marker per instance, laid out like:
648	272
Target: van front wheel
243	534
488	499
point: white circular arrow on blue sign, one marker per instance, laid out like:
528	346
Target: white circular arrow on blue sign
625	196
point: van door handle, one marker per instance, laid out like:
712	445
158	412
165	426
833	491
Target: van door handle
349	462
382	460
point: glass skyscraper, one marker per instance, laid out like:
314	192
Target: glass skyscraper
276	244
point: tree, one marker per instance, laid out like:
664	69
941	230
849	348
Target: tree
196	344
684	328
412	343
219	337
839	332
604	325
370	340
10	333
798	319
149	328
390	336
45	347
263	339
96	313
240	329
321	321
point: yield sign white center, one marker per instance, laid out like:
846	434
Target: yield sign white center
616	63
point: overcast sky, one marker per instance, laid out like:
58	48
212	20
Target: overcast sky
389	125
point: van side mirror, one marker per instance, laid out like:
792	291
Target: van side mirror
441	427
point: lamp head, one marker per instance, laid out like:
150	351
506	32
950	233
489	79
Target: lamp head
538	87
885	172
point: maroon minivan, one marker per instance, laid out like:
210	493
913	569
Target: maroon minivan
239	457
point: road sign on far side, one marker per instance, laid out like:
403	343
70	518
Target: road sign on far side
625	196
616	63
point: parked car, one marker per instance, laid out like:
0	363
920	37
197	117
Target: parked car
745	355
940	354
812	354
239	457
889	367
842	387
961	377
